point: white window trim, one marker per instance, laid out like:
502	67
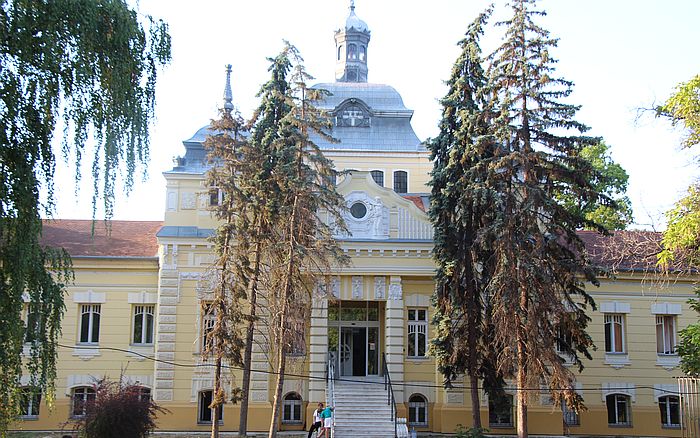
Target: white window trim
624	388
30	405
291	403
662	318
89	297
383	175
424	404
142	298
91	323
666	309
628	406
144	329
670	426
199	399
615	307
408	180
420	327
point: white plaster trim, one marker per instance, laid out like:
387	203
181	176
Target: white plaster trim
615	307
666	309
142	350
424	388
86	353
395	288
417	300
89	297
608	388
358	287
664	389
144	380
142	298
668	361
76	380
379	288
618	360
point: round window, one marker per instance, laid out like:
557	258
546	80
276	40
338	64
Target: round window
358	210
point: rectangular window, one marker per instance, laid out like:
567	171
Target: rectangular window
32	324
670	408
378	177
400	181
207	326
417	332
215	196
570	416
614	333
204	411
143	324
29	403
501	412
666	334
90	323
618	410
82	397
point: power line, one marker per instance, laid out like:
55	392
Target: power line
363	382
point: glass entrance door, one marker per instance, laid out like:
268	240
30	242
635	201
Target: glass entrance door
354	338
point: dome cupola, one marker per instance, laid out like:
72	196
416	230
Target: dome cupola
351	49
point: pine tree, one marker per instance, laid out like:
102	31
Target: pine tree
461	206
541	266
307	246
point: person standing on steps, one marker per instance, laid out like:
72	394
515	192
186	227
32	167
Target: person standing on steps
327	417
318	421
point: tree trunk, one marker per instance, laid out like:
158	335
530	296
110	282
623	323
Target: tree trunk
247	359
216	401
281	350
522	368
473	363
476	405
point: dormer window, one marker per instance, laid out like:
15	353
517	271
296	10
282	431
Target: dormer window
352	52
352	114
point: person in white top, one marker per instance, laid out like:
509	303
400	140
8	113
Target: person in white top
318	422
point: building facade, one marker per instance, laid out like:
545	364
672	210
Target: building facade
137	307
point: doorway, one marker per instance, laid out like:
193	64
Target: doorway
353	337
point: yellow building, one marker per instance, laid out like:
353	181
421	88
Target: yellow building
136	308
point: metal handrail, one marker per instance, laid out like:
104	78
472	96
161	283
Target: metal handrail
391	400
330	385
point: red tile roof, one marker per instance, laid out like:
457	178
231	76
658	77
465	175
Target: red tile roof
125	238
625	250
416	200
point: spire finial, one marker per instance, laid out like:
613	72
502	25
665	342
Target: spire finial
228	95
352	5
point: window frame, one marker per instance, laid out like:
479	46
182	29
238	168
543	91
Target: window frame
415	407
93	328
394	175
617	398
207	321
666	401
497	415
144	323
31	399
292	405
612	320
669	350
32	321
569	417
201	409
417	326
376	172
87	395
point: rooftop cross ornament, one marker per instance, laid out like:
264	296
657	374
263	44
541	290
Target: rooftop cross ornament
352	5
228	95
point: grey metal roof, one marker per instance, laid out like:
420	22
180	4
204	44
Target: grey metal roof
390	126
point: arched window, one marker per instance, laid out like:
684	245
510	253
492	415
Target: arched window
81	397
378	177
352	51
291	408
340	52
143	393
670	409
203	409
618	409
400	181
363	53
417	410
501	412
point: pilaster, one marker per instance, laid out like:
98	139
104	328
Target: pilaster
318	349
394	335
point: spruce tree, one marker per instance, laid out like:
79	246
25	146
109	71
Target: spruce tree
540	264
461	206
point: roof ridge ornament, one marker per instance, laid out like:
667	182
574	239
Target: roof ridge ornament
228	95
352	6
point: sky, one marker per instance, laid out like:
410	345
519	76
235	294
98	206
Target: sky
622	55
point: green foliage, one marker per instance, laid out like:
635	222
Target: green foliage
681	240
537	290
683	107
91	66
472	432
461	206
689	345
118	411
615	212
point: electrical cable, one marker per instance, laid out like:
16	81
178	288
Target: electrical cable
364	382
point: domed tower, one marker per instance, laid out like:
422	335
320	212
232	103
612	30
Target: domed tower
351	49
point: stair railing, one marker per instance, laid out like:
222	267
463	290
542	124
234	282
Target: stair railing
330	389
391	400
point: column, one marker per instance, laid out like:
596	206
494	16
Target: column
394	334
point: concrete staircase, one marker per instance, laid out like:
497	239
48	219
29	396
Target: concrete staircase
361	410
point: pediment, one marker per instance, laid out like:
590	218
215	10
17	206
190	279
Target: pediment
377	213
